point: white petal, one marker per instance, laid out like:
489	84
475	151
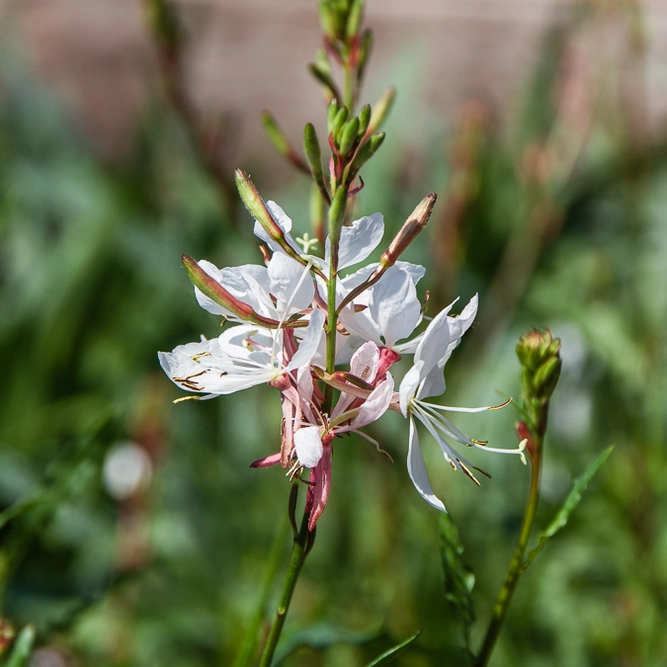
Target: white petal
376	404
358	240
308	446
434	382
284	222
290	283
365	361
417	470
248	283
408	386
395	306
310	342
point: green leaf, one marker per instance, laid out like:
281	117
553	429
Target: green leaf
22	648
574	497
321	636
394	652
459	579
22	504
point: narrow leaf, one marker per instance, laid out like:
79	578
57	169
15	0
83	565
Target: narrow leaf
574	497
459	579
22	648
21	505
394	652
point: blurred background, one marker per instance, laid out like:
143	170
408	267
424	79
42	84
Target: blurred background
133	531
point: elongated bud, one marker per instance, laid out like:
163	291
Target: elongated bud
364	119
381	109
165	23
311	147
327	19
211	288
364	53
339	119
348	136
539	354
412	226
331	114
275	134
323	75
354	18
258	209
366	152
337	214
280	142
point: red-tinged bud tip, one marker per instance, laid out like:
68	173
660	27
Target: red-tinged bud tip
413	225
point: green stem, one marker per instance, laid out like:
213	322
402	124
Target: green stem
349	86
517	566
332	321
303	541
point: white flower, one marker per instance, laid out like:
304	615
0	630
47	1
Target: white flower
425	379
277	291
241	357
388	311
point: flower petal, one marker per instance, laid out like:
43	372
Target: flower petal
357	241
417	470
290	283
308	446
310	343
376	404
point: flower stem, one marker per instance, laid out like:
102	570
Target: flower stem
517	565
303	542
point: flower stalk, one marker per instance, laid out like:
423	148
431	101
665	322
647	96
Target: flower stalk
302	544
539	355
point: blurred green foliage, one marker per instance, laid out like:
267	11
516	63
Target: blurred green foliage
559	223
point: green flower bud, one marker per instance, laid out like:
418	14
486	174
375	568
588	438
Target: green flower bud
364	53
323	75
340	118
366	152
539	354
364	120
331	113
337	214
275	134
381	109
327	19
347	137
311	147
354	18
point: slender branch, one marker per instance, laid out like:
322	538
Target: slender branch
517	567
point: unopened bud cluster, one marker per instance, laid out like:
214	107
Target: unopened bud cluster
539	354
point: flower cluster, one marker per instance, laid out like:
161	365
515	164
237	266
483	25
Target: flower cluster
282	318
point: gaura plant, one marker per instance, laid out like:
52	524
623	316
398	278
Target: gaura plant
328	343
326	331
